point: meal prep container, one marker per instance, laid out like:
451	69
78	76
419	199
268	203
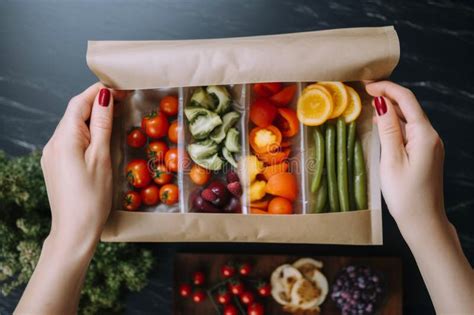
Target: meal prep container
153	69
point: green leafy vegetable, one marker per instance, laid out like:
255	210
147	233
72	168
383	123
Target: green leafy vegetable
229	119
202	99
203	125
202	149
221	97
232	140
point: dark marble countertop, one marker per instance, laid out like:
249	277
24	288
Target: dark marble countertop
42	64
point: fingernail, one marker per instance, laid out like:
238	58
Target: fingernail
380	105
104	97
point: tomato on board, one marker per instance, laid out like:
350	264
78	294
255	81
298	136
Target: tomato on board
227	270
264	289
255	309
230	309
185	290
132	200
169	105
223	297
198	296
138	174
245	269
156	150
169	194
161	175
285	96
247	297
236	287
262	112
267	89
173	132
199	175
150	195
155	125
136	138
171	159
198	278
287	121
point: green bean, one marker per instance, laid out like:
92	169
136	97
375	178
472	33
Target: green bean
331	166
342	165
360	178
351	135
319	158
321	196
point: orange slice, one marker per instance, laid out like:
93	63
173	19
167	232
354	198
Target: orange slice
314	107
354	106
339	95
317	86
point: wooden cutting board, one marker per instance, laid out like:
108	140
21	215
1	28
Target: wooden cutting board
263	266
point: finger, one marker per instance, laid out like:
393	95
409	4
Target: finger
405	99
80	106
101	120
390	133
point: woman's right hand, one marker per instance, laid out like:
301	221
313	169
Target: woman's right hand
411	164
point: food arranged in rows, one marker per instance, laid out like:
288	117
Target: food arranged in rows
339	179
237	291
272	187
214	144
152	177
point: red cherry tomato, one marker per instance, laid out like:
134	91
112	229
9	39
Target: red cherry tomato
185	290
198	296
169	194
267	89
150	195
236	287
136	138
156	150
247	297
255	309
198	278
161	175
245	269
223	297
264	289
173	132
171	159
230	309
138	174
155	125
285	96
227	271
132	200
262	112
169	105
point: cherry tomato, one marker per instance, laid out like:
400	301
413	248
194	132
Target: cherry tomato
264	289
198	278
287	121
247	297
230	309
169	105
199	175
185	290
267	89
156	150
161	175
255	309
198	296
236	287
227	271
138	174
223	297
262	112
136	138
150	195
155	124
171	159
169	194
285	96
280	205
244	269
173	132
132	200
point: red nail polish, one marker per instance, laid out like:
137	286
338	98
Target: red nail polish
104	97
380	105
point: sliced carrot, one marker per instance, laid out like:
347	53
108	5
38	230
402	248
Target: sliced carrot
262	204
276	157
257	211
271	170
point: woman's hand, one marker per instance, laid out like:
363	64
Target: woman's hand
78	175
411	170
77	167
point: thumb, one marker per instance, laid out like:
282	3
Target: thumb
390	133
101	121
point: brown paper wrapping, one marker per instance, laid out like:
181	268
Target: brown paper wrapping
338	55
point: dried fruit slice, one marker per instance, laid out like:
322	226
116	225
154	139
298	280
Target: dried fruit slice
304	294
314	107
354	106
339	95
282	280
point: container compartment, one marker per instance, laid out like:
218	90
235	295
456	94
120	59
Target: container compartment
190	189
